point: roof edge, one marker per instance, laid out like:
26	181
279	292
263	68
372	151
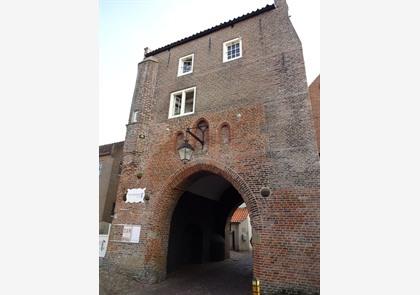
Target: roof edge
231	22
107	149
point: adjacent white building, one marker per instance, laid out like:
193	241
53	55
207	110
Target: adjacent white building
240	230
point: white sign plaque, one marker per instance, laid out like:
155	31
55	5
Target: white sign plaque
131	233
135	195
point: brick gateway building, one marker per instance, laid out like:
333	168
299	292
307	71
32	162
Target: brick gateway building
241	86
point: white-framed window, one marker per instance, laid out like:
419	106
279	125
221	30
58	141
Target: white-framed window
182	102
186	65
232	49
134	116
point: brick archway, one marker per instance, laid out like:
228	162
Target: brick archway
165	200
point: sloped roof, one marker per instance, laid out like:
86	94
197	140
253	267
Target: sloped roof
212	29
316	82
106	149
239	215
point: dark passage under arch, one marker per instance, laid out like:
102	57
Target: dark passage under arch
198	225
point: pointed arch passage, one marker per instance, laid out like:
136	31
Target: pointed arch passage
162	208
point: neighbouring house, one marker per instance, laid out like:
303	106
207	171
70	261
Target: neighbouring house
110	156
241	231
314	95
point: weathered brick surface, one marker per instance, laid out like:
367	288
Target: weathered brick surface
263	98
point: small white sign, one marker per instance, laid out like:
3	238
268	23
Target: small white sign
135	195
103	243
131	233
135	234
126	236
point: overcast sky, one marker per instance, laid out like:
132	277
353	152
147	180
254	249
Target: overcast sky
127	26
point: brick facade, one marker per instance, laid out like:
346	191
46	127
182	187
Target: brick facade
263	99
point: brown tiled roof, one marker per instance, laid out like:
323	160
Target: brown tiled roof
212	29
239	215
106	149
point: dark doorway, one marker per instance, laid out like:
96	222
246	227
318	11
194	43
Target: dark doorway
233	241
194	243
198	225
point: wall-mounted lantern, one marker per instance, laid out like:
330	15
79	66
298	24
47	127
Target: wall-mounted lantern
186	150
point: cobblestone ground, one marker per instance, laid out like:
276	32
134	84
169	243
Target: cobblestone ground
231	276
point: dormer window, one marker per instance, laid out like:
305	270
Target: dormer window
186	64
232	49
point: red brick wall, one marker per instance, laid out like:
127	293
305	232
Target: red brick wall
263	97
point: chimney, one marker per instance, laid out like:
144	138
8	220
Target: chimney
282	6
280	3
146	51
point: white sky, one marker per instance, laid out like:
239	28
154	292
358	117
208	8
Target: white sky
127	26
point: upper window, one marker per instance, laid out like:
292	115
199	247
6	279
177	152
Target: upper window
186	64
134	116
182	103
232	49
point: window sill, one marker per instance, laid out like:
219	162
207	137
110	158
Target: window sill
178	116
184	74
132	123
228	60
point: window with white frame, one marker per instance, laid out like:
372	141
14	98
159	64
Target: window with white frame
182	102
232	49
134	116
186	65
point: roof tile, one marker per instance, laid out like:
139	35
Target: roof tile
239	215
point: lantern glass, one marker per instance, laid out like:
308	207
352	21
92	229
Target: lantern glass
185	152
188	154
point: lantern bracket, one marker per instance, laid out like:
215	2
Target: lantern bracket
185	150
202	128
